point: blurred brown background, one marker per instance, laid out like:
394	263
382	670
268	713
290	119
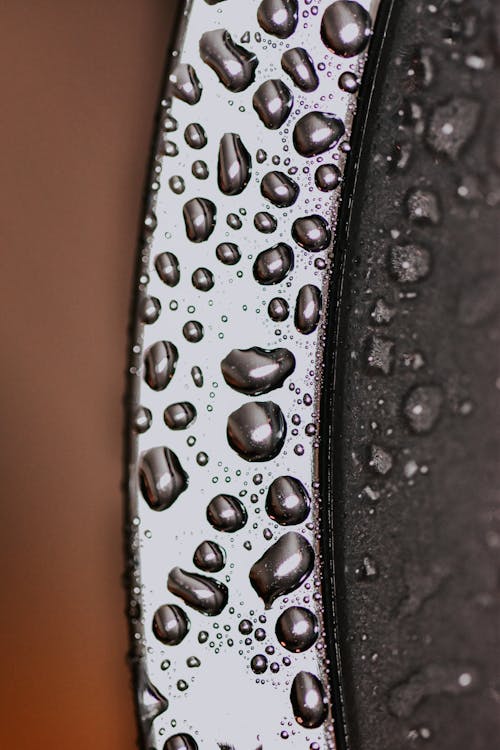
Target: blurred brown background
79	85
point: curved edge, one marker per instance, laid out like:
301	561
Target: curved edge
330	413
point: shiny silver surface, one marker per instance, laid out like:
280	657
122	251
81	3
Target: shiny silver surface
199	431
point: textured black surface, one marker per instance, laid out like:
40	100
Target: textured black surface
415	499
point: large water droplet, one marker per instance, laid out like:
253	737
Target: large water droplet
282	568
273	265
273	102
160	361
170	624
180	742
287	501
317	132
179	416
149	309
307	309
234	65
256	371
312	233
226	513
199	218
308	700
278	17
185	83
205	595
162	478
327	177
209	557
299	66
346	28
167	266
297	629
257	431
234	165
279	189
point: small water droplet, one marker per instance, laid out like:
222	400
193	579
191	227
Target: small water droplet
197	376
179	416
177	184
192	331
264	222
234	165
185	83
167	267
258	664
308	700
278	309
327	177
209	557
150	309
141	419
195	136
202	279
228	253
199	218
312	233
160	361
349	82
199	170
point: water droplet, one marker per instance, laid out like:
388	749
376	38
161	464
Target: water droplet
228	253
210	557
179	416
234	165
297	629
256	371
409	263
160	361
279	189
199	170
141	420
202	279
287	501
180	742
346	28
317	132
205	595
197	376
278	17
167	267
422	407
278	309
307	309
151	702
245	627
308	700
192	331
171	148
161	477
264	222
349	82
226	513
282	568
422	206
202	458
177	184
273	102
195	136
327	177
234	65
299	66
170	624
452	124
258	664
185	83
234	221
273	265
150	309
379	355
382	313
199	218
312	233
193	662
257	430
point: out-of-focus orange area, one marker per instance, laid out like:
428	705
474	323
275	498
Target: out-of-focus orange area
79	85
